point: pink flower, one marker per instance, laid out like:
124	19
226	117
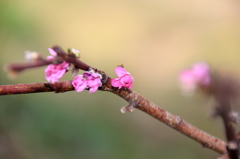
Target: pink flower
54	72
89	80
93	80
124	79
79	83
196	76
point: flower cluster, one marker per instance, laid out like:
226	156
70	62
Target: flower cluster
89	80
124	79
54	72
196	76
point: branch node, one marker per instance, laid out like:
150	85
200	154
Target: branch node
104	77
57	87
232	147
205	145
234	117
129	108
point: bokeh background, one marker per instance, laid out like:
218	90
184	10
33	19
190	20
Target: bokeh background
154	39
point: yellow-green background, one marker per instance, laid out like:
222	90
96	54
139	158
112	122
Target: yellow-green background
154	39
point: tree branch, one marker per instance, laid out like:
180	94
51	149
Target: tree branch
22	66
224	90
134	99
62	56
143	104
36	88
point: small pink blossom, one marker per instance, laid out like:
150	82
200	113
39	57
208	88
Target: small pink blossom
79	83
93	80
197	75
54	72
89	80
124	79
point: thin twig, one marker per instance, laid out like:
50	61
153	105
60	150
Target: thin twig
62	56
22	66
70	58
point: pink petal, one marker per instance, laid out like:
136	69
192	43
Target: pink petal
129	86
93	89
76	80
115	82
49	58
126	81
128	78
187	77
60	73
52	52
120	71
86	74
64	64
93	83
81	87
54	72
79	83
48	74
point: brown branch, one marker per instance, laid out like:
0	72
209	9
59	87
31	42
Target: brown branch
36	88
70	58
22	66
232	144
225	89
62	56
173	121
130	96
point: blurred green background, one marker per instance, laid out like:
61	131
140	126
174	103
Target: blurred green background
154	39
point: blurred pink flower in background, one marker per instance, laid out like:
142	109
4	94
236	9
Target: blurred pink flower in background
124	79
196	76
89	80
